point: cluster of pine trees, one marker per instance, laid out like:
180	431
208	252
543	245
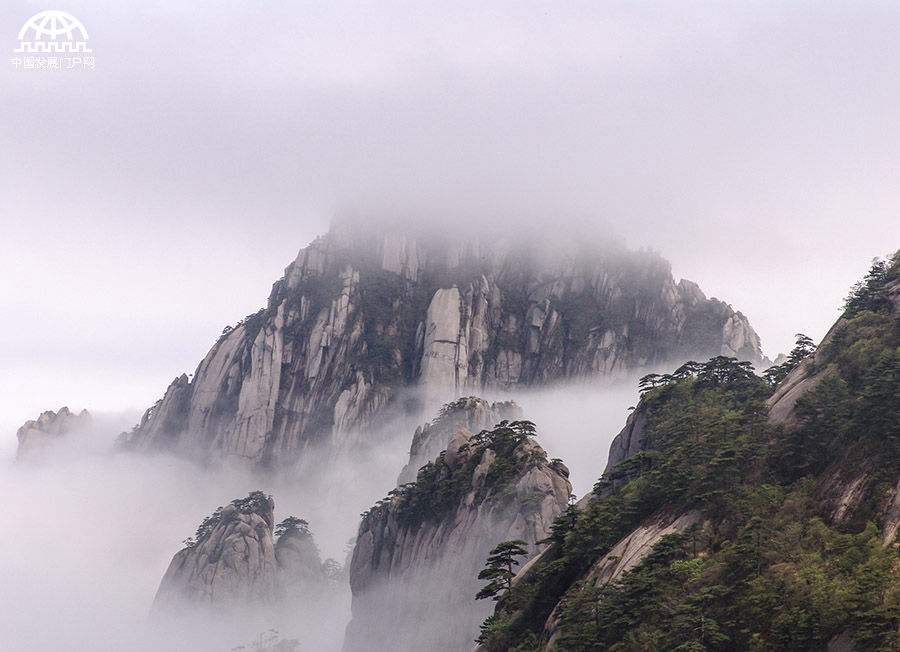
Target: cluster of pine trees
766	567
439	485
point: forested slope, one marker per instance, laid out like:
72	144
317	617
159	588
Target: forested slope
745	516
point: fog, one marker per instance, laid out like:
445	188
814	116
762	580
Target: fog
149	202
91	532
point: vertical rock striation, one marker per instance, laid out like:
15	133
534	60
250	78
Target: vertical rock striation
365	312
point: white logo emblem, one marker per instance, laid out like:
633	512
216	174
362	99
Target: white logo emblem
53	32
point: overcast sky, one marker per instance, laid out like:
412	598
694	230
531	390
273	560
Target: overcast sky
149	202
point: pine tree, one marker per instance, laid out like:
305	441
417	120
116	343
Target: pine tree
803	348
498	569
563	524
292	523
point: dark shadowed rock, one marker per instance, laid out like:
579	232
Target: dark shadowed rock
630	439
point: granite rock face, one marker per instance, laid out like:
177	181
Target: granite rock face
630	439
35	436
469	414
365	313
418	552
237	564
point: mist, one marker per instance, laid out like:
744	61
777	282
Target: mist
736	140
96	529
148	203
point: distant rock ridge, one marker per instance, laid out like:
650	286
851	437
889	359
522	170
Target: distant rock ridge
365	312
419	551
48	428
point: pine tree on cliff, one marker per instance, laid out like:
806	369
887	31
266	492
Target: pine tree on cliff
870	293
292	523
499	568
803	348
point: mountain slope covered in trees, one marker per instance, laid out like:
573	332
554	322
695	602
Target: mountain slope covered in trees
735	517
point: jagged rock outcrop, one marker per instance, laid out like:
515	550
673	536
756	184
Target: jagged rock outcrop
37	435
230	565
414	568
470	414
630	439
366	311
236	564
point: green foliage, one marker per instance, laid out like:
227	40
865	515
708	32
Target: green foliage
292	524
562	525
255	501
439	486
782	581
765	572
704	431
498	569
716	372
803	348
858	408
870	293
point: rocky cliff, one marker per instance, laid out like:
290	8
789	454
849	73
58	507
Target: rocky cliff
239	562
418	552
366	311
37	435
470	414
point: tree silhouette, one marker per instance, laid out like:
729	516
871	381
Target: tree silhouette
803	348
292	523
498	569
871	292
